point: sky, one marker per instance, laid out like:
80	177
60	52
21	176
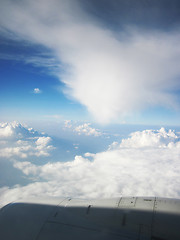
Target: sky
90	95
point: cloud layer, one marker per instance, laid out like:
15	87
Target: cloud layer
112	73
145	164
18	141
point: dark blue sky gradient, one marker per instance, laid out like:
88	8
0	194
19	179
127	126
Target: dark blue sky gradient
148	14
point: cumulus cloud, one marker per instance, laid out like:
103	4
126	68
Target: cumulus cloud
22	142
68	124
149	138
5	130
37	91
87	130
83	129
111	73
126	168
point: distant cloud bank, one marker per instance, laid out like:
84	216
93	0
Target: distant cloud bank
145	164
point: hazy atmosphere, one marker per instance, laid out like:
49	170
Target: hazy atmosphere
89	98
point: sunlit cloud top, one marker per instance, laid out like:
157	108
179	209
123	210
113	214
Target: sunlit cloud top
144	164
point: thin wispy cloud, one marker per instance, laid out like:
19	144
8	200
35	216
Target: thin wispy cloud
112	73
54	117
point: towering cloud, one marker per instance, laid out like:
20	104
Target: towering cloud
111	72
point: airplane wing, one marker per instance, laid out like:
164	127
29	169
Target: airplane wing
126	218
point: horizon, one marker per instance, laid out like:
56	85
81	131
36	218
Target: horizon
89	88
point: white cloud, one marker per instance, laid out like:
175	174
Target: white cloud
27	167
126	168
22	142
68	124
37	91
111	73
87	130
83	129
149	138
89	154
43	141
42	60
5	130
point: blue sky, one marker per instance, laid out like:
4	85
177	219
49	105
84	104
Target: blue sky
125	81
100	83
18	81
